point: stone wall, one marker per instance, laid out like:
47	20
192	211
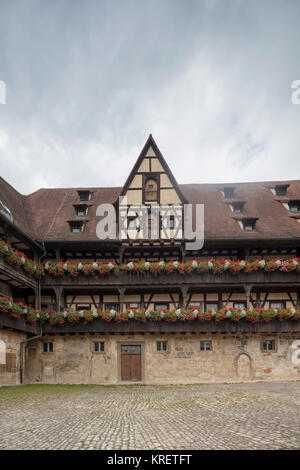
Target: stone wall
233	358
10	356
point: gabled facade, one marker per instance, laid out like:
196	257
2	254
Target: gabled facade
134	308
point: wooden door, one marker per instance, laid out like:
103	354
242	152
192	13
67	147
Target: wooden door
131	366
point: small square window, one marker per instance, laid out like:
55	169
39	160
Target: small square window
81	211
229	192
112	306
249	225
161	306
277	305
211	306
205	345
281	189
238	207
76	227
83	307
268	345
84	196
48	347
294	206
161	345
239	305
99	346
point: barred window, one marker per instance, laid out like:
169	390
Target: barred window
161	345
48	347
205	345
268	345
99	346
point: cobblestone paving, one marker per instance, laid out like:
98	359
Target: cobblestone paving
221	416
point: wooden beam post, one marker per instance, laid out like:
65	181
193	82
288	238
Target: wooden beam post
121	254
121	297
248	289
57	253
220	301
183	296
59	298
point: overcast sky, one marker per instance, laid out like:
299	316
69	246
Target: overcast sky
87	81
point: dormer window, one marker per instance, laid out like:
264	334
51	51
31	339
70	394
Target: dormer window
151	190
76	227
81	211
280	189
229	192
238	207
84	196
5	211
249	225
294	206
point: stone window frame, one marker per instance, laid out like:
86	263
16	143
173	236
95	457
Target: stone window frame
206	341
267	351
161	351
43	345
93	346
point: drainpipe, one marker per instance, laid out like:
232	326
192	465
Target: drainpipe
39	281
41	333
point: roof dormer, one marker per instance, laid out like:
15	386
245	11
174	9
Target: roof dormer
84	195
281	189
228	192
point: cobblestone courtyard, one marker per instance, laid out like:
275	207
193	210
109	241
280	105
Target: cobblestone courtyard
222	416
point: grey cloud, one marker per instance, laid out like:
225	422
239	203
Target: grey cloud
88	81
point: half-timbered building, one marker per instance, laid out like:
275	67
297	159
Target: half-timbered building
76	308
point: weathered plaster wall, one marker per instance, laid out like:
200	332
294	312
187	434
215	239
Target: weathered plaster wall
233	358
10	340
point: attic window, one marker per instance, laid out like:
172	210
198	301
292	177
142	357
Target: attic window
76	227
151	190
280	189
238	207
81	211
228	191
249	225
84	196
294	206
5	211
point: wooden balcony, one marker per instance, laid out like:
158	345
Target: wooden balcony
276	279
179	327
16	276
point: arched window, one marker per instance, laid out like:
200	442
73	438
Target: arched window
151	190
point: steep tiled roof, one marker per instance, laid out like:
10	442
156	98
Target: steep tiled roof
17	203
44	214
